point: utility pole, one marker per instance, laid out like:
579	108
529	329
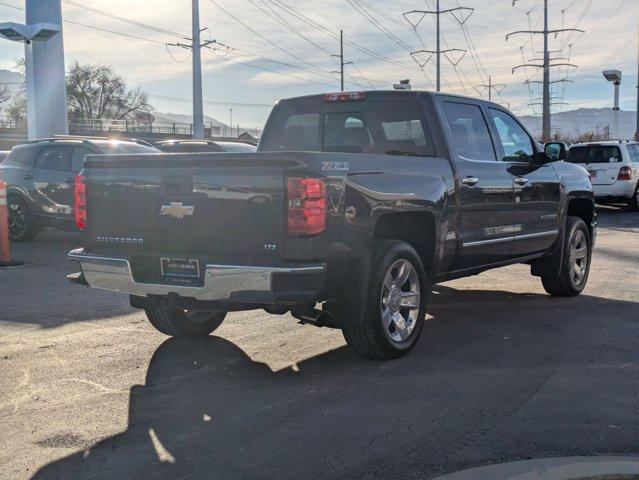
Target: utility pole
341	60
546	65
498	87
231	124
196	46
461	14
198	107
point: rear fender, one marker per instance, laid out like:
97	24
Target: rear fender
368	198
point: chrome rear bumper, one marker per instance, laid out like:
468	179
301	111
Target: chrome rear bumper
237	283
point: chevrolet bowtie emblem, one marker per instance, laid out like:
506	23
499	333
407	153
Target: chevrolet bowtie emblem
176	210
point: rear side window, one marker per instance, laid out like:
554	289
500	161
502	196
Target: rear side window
634	153
24	155
594	154
371	126
469	131
54	157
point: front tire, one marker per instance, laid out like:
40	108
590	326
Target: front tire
23	227
395	303
575	262
177	322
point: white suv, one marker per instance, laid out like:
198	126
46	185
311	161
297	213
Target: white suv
613	168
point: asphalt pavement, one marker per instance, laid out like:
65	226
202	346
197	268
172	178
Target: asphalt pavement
502	372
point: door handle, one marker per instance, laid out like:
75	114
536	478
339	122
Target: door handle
470	181
27	176
521	181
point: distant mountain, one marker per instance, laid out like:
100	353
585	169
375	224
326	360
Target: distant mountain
572	123
181	118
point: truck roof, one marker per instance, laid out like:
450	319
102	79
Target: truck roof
604	143
386	95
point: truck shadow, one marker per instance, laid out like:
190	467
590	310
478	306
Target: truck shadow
495	376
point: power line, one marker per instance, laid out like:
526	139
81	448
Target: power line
318	26
278	18
258	67
126	20
127	35
248	27
211	102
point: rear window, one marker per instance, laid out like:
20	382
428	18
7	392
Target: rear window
372	126
24	155
594	154
189	148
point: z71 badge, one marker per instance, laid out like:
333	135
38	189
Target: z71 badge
342	166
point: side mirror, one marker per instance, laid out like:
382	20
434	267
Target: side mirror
555	151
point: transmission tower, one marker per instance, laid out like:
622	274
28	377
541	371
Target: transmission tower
497	87
546	66
461	14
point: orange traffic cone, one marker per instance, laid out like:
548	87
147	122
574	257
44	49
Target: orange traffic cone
5	252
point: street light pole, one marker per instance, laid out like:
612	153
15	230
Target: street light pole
198	107
614	76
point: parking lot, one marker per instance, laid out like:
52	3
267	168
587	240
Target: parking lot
502	372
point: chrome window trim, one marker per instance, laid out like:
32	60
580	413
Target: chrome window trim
511	238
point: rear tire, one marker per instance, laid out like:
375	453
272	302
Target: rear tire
395	304
23	226
633	204
575	261
177	322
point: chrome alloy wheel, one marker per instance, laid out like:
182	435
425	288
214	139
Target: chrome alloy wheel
400	300
578	257
17	220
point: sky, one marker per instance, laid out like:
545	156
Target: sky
265	50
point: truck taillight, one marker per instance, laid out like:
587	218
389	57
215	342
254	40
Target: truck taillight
306	206
80	202
625	173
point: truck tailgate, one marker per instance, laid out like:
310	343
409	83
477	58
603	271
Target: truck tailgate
215	206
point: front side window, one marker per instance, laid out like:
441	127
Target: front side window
515	141
55	157
469	131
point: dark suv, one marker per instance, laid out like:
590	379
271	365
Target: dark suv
40	176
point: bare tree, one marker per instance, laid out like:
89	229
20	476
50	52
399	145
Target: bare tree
5	95
95	91
17	106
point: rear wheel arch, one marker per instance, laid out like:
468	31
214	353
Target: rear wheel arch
417	228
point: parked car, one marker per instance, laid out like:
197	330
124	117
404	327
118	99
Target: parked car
40	176
613	168
357	201
3	155
190	146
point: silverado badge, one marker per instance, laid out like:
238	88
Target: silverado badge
177	210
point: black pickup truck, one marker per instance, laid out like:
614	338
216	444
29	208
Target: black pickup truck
353	205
